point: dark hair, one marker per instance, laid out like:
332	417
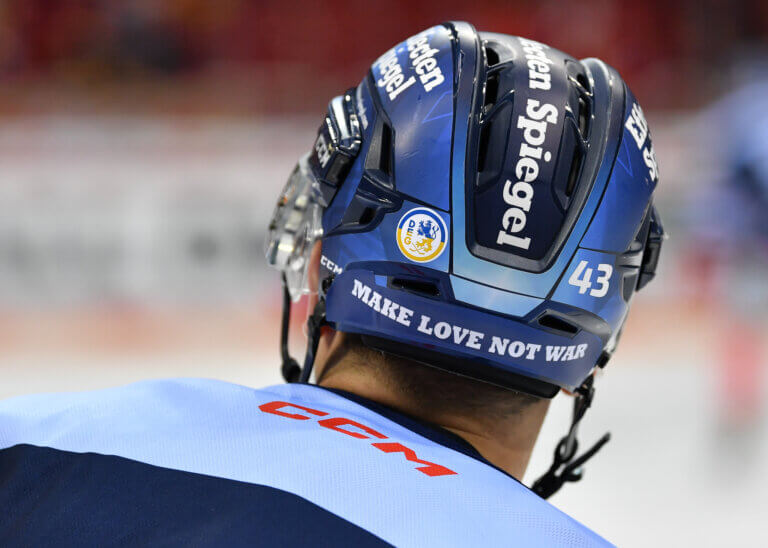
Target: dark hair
429	387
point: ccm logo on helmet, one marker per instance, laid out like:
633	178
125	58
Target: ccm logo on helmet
518	195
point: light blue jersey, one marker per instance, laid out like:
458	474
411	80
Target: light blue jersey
206	462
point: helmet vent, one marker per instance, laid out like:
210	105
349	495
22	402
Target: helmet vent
482	152
583	117
370	202
419	287
491	94
491	91
379	161
581	78
358	216
584	102
366	216
385	150
573	174
491	56
556	323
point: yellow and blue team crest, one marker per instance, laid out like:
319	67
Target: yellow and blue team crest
421	235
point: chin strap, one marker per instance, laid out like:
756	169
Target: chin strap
565	467
314	323
291	370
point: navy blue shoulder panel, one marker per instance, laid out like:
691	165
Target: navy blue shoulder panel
51	497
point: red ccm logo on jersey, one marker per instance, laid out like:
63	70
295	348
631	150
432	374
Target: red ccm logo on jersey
356	430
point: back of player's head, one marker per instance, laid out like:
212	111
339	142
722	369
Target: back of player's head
484	203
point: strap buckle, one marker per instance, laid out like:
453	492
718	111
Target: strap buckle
566	466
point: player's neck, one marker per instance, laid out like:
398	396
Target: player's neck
505	441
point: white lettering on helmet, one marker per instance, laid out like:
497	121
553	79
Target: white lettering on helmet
330	265
445	332
519	195
638	129
539	76
392	79
423	60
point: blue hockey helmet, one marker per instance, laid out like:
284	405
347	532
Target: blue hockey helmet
485	207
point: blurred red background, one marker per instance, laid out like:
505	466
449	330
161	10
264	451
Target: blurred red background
275	56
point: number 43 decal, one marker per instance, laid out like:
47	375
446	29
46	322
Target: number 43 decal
584	282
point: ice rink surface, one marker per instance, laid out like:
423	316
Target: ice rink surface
669	477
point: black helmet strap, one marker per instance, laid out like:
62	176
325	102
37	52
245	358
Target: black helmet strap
291	370
566	466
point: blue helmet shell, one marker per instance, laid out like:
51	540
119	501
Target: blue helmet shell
497	217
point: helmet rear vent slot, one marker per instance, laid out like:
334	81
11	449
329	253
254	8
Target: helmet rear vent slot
358	216
385	151
583	117
581	78
556	323
491	57
492	143
482	151
583	100
419	287
573	174
491	91
366	216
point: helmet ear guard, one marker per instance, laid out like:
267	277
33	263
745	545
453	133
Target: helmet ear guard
337	143
650	262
